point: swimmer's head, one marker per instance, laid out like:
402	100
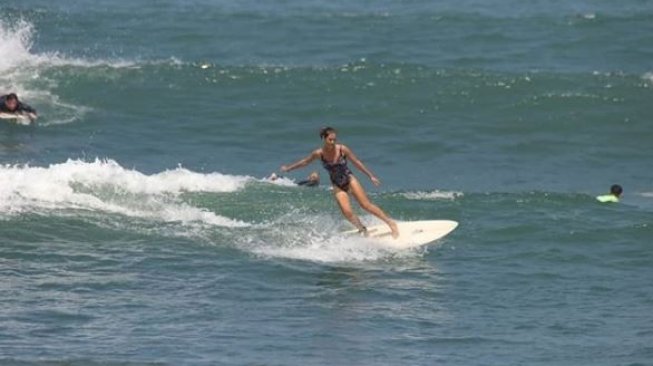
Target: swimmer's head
616	190
11	102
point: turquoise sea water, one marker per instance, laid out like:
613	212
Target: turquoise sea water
137	227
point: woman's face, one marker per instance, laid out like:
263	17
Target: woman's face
330	139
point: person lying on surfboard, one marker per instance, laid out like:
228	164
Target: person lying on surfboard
10	104
313	179
334	160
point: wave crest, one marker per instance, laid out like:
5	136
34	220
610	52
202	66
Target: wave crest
104	186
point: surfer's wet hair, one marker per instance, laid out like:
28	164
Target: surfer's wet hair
12	96
326	131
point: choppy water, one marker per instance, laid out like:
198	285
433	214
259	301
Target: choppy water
137	227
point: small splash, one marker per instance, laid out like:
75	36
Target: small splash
432	195
279	180
16	41
15	44
648	77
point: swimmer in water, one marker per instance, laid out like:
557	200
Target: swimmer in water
10	104
613	196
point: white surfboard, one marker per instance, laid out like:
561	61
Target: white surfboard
411	233
19	118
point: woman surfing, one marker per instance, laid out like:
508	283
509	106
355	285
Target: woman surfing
334	160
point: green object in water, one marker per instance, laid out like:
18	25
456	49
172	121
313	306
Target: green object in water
607	198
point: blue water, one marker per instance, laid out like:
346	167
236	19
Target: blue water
137	226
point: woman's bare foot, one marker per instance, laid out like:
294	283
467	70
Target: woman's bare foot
394	229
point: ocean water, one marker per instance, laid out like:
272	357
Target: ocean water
137	226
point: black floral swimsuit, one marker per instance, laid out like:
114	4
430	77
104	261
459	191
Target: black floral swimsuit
338	171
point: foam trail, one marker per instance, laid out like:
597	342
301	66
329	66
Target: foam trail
318	239
431	196
105	186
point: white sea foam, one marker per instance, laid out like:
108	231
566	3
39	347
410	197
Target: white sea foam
105	186
318	239
431	195
280	181
325	249
15	44
16	41
648	77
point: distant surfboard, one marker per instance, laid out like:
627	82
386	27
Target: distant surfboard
411	233
18	118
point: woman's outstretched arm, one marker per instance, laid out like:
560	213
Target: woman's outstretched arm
301	163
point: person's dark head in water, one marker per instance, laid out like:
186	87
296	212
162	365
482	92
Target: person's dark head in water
615	193
313	180
616	190
10	104
334	159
